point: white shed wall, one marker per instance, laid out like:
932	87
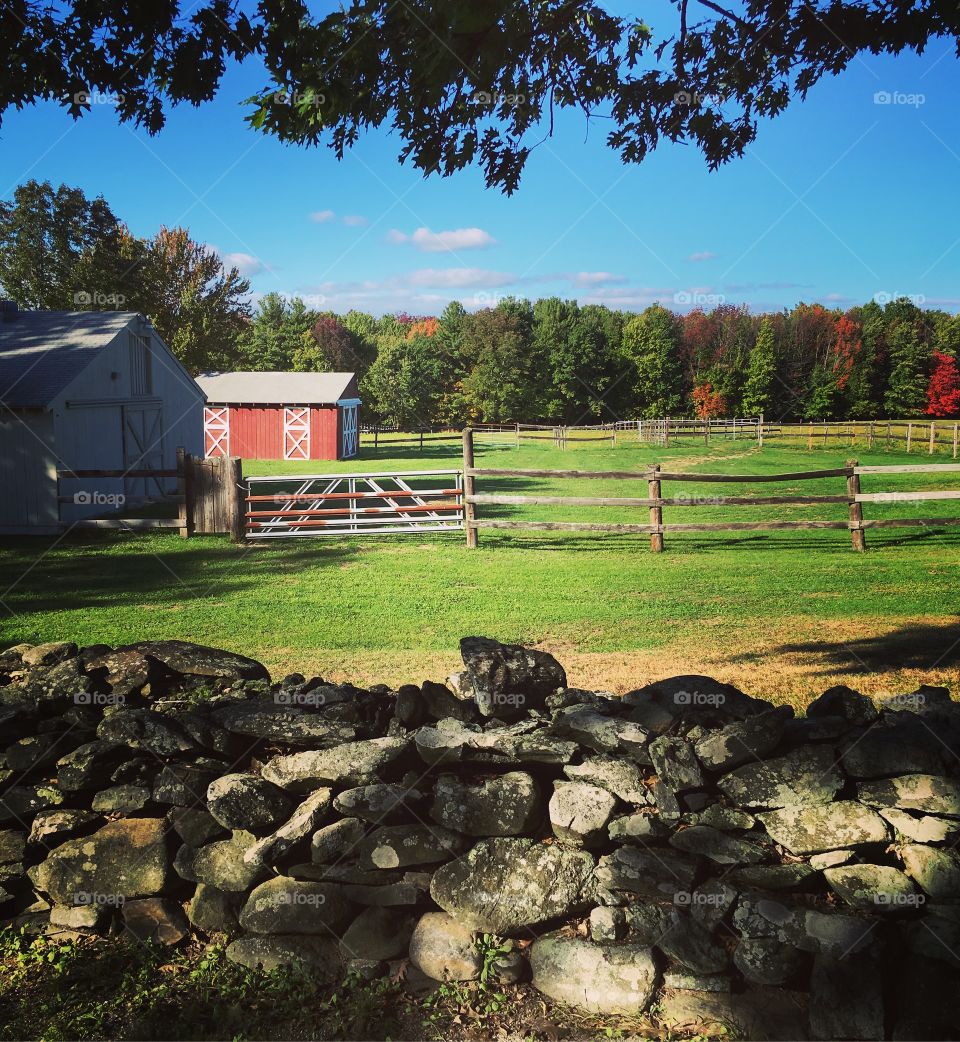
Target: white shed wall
28	483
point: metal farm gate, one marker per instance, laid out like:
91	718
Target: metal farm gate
293	505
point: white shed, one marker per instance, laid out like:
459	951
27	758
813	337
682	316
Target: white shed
87	390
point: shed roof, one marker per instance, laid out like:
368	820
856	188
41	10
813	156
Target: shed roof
43	352
276	388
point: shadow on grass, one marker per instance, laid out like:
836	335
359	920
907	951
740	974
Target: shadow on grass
924	647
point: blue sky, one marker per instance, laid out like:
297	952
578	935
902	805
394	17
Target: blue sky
842	199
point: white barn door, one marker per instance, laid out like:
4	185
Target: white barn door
351	437
143	447
296	433
216	430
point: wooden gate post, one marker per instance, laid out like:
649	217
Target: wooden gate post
236	498
857	538
185	510
656	512
469	510
933	436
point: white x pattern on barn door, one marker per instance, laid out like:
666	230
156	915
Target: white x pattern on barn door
296	433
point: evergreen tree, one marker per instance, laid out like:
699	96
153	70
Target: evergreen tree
761	373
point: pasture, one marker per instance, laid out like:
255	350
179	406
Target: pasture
783	614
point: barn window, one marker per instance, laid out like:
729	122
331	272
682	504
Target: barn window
141	365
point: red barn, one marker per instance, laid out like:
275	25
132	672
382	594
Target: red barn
281	415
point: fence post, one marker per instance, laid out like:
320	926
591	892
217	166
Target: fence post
810	438
469	510
185	511
656	512
857	538
236	498
955	430
518	435
933	437
376	436
870	435
909	435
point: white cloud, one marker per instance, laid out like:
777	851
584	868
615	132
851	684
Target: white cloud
355	220
594	278
459	278
322	216
436	242
702	255
245	263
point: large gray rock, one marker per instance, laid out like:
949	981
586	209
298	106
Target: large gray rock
304	820
399	846
378	933
690	944
846	998
596	977
50	828
845	702
222	863
354	763
284	905
244	801
622	778
825	826
929	793
379	803
214	911
268	953
444	949
639	828
197	660
125	858
49	654
804	776
506	805
291	724
922	828
89	764
596	730
508	680
121	799
579	813
195	826
452	741
743	740
675	763
937	871
875	888
185	784
885	751
698	697
335	841
766	960
506	885
717	846
21	802
650	873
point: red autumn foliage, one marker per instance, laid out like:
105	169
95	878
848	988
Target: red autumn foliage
423	327
708	403
846	348
943	391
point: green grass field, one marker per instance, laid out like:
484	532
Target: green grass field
783	614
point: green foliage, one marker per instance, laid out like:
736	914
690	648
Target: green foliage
403	386
909	354
761	373
650	341
279	329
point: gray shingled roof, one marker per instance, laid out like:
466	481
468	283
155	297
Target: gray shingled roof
43	352
275	388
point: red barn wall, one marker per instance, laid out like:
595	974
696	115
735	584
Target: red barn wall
256	431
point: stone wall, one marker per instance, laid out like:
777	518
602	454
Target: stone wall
685	848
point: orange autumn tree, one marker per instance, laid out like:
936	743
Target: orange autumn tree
423	327
708	403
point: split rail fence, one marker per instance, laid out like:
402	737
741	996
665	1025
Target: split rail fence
853	497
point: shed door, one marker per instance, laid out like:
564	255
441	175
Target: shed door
143	448
296	433
350	436
216	430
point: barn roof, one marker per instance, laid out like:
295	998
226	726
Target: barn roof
43	352
276	388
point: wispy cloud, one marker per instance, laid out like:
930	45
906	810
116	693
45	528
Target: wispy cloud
594	278
702	255
355	220
322	216
436	242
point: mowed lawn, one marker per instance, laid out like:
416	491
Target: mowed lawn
783	614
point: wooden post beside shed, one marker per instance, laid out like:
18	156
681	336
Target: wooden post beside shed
236	496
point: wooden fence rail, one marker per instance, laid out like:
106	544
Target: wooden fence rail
655	501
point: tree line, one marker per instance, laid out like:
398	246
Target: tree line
549	360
